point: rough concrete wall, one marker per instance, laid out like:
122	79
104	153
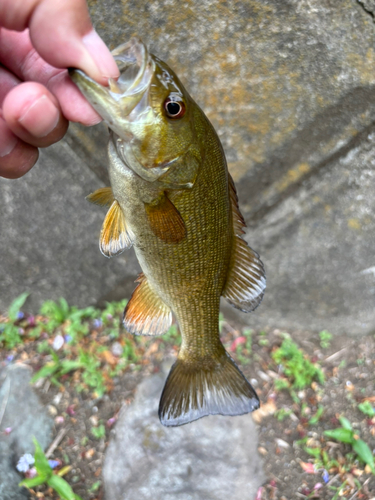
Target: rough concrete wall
290	88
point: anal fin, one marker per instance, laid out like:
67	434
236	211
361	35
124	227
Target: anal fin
210	387
115	237
246	279
102	197
165	220
146	313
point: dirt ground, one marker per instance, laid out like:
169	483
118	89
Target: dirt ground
291	421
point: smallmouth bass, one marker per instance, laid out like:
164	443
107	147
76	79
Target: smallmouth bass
173	199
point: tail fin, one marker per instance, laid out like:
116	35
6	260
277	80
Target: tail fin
193	391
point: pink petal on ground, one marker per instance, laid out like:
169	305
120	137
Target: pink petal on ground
236	342
307	467
259	493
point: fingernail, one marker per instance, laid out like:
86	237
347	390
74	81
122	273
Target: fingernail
8	140
41	117
99	53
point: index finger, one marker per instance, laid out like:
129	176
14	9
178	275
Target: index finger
62	33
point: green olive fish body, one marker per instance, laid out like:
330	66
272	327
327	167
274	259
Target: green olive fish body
173	199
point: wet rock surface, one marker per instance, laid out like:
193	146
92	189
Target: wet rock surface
24	418
214	458
290	89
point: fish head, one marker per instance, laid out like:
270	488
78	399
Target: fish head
150	114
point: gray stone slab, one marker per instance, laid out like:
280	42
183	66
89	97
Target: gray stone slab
319	250
214	458
21	411
49	235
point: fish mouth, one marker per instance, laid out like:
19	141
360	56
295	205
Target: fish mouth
125	99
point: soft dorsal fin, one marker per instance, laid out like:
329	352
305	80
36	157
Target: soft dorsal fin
115	237
246	279
102	197
165	220
146	313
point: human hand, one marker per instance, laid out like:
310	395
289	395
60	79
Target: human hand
36	98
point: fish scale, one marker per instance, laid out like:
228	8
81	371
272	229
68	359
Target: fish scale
172	198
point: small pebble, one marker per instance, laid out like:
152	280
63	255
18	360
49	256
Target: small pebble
94	420
56	399
281	443
52	410
264	376
58	342
90	453
117	349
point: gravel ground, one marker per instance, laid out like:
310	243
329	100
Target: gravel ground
300	461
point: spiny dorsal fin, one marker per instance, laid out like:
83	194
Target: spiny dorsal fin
115	237
246	280
209	387
102	197
165	220
146	313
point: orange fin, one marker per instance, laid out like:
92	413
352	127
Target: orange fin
165	220
115	237
102	197
146	313
212	387
246	280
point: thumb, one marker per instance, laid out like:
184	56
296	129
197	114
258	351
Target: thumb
62	34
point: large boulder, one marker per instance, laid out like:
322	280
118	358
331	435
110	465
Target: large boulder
213	458
290	88
24	418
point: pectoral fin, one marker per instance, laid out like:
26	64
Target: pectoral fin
115	237
102	197
246	279
146	313
165	220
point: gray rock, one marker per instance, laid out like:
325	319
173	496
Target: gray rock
50	235
290	89
369	6
214	458
318	246
21	410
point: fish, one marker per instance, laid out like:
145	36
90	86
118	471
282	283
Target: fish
172	198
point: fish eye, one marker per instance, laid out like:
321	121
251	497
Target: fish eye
174	109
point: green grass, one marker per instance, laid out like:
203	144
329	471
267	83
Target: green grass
85	339
367	409
98	432
325	339
10	333
45	475
298	370
346	434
